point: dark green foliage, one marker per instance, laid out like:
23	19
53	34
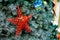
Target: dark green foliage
40	23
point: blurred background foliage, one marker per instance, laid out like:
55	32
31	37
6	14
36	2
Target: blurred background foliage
40	23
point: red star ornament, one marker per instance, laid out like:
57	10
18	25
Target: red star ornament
58	36
20	21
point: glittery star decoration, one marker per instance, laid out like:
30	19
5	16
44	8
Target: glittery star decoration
20	21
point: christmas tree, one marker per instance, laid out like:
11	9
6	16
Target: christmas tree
40	23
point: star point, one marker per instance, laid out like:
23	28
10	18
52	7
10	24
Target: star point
20	21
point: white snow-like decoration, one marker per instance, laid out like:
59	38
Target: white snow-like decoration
45	2
58	29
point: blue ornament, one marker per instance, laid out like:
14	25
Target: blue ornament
37	4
